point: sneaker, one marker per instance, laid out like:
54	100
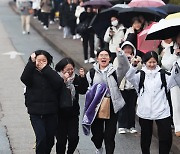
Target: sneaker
85	61
122	130
132	130
23	32
78	36
91	60
51	22
74	37
45	27
99	151
59	27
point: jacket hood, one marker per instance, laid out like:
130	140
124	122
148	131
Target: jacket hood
129	43
109	69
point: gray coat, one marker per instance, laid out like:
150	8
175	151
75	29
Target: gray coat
108	78
23	7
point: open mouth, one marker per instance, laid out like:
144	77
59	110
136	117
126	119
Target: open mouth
103	61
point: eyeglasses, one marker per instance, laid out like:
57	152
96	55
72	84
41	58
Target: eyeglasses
103	56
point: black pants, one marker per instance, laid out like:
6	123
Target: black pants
88	38
105	130
46	19
126	116
45	127
68	130
164	135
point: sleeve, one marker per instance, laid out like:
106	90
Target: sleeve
168	59
122	66
107	38
174	78
82	84
27	75
53	77
133	77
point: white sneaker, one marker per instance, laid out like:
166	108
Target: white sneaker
122	130
91	60
74	37
45	27
23	32
59	27
132	130
78	36
51	22
99	151
86	61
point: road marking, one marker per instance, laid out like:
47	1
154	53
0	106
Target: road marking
12	54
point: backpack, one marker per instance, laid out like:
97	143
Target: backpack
163	80
82	27
92	73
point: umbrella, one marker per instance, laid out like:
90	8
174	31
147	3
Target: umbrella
160	11
101	21
127	14
170	8
146	45
97	3
146	3
165	28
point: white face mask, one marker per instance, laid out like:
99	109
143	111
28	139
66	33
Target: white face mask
114	23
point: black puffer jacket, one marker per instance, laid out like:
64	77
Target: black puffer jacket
81	85
41	89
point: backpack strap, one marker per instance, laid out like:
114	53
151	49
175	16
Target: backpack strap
163	80
141	81
171	49
92	73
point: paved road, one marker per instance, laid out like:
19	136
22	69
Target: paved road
16	135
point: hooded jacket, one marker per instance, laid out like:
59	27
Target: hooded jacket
107	77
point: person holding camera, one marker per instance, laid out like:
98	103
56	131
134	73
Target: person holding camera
114	35
172	55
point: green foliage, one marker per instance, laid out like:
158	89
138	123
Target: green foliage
175	2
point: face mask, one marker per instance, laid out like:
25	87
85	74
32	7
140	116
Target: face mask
114	23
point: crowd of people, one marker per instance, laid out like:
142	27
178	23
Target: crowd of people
132	79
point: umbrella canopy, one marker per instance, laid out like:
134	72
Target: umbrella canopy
127	14
160	11
165	28
97	3
146	45
170	8
146	3
101	21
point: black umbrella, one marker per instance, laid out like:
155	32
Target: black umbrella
170	8
127	14
101	21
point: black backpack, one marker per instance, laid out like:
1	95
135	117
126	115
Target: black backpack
92	73
163	80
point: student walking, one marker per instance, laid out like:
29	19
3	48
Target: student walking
24	6
68	117
103	72
152	84
41	98
126	116
172	55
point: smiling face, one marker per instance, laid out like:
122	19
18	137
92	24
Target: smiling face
151	64
68	69
103	59
41	60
